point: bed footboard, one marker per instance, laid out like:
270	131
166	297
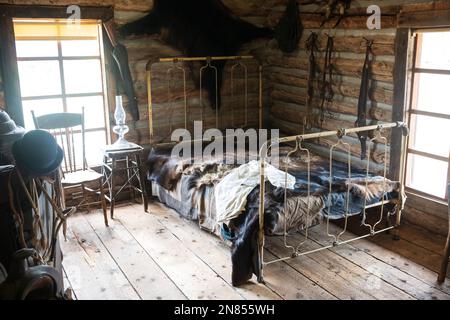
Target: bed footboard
335	239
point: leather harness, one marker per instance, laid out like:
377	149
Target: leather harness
311	46
327	93
362	100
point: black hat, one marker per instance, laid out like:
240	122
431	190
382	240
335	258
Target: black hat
38	153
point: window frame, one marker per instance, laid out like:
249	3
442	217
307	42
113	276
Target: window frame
8	58
410	111
64	96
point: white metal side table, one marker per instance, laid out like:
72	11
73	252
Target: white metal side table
135	182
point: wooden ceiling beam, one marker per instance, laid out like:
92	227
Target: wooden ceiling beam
55	12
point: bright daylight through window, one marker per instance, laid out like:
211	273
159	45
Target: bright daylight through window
61	70
429	115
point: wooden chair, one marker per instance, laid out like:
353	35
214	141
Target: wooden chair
75	171
444	264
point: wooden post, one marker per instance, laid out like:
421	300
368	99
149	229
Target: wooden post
399	100
8	59
446	255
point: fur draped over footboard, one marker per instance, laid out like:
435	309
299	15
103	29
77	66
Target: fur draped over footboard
284	210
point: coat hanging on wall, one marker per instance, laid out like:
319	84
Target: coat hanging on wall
208	28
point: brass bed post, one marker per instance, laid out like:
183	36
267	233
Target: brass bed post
148	69
262	162
260	104
211	58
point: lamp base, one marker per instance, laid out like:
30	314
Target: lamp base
122	144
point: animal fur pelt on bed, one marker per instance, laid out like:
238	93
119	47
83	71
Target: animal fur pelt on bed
375	187
244	250
208	174
208	28
167	170
292	217
163	169
199	180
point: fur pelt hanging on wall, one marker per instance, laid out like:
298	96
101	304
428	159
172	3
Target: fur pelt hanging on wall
208	28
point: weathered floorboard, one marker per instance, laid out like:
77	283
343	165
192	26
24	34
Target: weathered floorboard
144	274
160	255
191	275
395	269
87	262
209	249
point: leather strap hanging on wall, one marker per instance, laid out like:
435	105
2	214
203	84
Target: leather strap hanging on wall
326	87
312	48
363	97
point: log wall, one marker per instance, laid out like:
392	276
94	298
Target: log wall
285	75
288	74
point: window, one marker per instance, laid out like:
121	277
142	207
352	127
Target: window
61	69
429	115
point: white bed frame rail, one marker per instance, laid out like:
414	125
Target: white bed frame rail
335	239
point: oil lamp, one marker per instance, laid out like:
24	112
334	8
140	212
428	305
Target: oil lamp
121	128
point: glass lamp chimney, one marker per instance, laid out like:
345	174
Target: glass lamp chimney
120	128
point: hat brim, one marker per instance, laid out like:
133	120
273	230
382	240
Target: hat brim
20	156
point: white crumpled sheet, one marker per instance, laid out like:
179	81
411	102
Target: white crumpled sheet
232	191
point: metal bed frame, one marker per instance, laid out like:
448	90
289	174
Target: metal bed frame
238	63
335	239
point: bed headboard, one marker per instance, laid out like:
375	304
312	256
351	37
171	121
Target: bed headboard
184	98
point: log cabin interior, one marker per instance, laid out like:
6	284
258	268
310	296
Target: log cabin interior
224	150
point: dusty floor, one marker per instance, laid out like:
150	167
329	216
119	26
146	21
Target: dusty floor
161	256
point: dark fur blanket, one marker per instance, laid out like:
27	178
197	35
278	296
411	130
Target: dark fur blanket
242	231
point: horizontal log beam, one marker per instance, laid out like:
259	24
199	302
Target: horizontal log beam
314	21
424	19
338	105
345	89
381	70
89	11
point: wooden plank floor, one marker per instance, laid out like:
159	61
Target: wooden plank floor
162	256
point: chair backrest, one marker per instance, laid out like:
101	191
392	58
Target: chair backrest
64	126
